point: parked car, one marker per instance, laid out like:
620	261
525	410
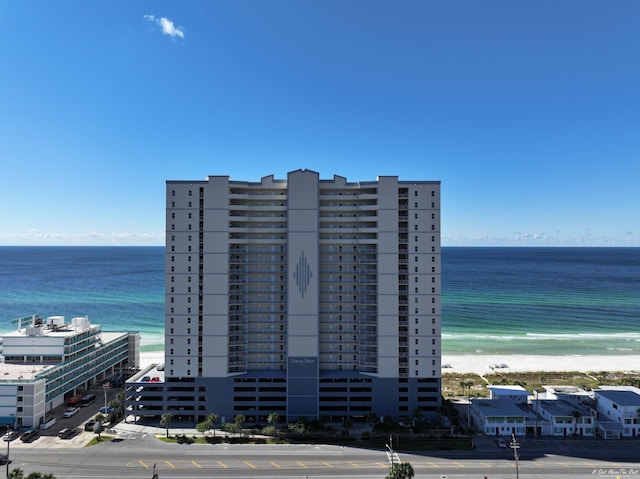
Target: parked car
88	426
155	379
67	432
11	435
4	459
106	410
146	379
71	411
29	435
501	442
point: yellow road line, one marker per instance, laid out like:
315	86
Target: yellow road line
249	464
458	464
485	464
353	464
223	465
170	465
196	464
302	465
274	464
327	464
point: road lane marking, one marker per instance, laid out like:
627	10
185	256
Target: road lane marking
223	465
274	464
249	464
353	464
327	464
170	465
302	465
196	464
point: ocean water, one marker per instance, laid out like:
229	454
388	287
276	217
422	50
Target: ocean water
553	301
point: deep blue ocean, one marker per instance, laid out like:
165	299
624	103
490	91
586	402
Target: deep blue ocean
494	300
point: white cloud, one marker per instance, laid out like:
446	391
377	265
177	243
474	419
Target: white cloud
37	237
166	25
539	239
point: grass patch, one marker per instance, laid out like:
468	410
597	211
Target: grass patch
98	440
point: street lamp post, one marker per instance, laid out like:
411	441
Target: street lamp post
106	387
390	447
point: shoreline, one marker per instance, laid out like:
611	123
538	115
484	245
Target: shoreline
480	363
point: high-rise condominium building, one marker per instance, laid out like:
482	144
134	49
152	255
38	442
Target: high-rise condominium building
302	297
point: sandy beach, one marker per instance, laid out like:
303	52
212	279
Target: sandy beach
481	364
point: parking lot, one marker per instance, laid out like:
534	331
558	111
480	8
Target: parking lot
77	420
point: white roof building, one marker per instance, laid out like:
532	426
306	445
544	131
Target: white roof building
46	359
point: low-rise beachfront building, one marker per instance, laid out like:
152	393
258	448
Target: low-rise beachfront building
559	417
514	393
618	412
501	416
45	361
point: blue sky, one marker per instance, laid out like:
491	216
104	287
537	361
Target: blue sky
528	112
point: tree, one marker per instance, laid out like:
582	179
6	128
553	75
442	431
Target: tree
18	474
373	419
467	384
417	416
238	422
100	418
273	419
165	420
347	424
213	419
576	415
404	470
203	426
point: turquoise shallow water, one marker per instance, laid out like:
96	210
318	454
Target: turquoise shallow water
495	300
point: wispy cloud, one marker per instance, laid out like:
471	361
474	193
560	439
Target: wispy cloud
540	239
37	237
166	25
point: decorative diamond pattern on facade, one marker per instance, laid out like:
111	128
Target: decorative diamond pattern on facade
302	274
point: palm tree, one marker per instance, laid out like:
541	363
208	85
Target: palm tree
273	419
100	418
213	419
238	422
467	384
373	419
576	415
165	420
347	424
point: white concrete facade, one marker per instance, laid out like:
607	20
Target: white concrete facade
45	360
620	406
305	281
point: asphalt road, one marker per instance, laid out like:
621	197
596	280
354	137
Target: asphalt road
135	454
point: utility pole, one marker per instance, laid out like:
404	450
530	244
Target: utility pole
8	461
515	446
155	474
390	447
